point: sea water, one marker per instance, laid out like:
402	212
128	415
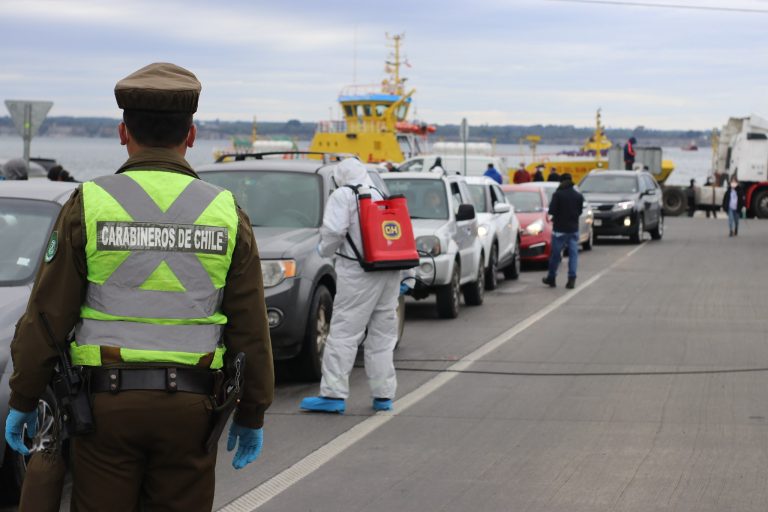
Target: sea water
86	158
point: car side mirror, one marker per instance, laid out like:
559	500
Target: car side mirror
466	212
501	208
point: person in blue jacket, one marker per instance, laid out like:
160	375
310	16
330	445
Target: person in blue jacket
492	173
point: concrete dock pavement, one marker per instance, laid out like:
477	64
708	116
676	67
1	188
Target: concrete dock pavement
643	389
589	408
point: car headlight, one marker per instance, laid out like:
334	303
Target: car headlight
428	244
534	228
624	205
275	272
482	230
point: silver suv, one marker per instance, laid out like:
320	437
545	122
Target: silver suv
445	227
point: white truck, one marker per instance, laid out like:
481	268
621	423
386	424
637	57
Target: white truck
742	150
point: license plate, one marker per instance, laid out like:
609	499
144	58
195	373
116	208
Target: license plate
597	222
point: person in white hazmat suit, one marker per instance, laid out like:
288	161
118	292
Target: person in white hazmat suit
363	299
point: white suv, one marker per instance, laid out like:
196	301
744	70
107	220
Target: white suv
446	229
498	228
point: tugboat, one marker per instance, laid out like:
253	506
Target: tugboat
375	127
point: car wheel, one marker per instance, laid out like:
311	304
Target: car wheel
449	295
658	231
513	270
318	327
587	245
492	272
400	319
474	293
760	202
637	236
14	467
675	202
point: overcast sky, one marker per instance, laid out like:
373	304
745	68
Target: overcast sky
493	61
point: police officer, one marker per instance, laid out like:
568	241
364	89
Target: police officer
158	273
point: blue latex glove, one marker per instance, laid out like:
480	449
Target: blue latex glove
14	428
404	288
249	447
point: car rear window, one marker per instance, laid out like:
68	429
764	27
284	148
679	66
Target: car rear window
25	225
426	198
609	184
525	201
274	198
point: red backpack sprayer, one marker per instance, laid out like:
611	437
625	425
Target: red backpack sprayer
387	233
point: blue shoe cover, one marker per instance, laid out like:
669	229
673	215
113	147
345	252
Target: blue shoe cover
322	404
382	405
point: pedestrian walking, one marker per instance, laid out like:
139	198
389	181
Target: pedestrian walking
711	208
553	175
539	174
494	174
733	202
159	276
565	208
363	300
690	195
629	154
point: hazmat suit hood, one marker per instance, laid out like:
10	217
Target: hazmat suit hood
16	169
351	172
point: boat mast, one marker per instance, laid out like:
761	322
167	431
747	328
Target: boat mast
393	67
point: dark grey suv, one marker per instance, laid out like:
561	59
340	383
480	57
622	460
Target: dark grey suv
28	210
624	203
285	200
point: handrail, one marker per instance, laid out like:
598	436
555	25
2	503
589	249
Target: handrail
239	157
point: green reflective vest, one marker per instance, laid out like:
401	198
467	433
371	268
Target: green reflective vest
158	249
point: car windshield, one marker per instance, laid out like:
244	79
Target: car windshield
24	228
276	199
609	184
426	198
478	198
525	201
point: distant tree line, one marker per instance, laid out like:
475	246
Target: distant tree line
295	129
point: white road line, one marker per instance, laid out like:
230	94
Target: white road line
257	497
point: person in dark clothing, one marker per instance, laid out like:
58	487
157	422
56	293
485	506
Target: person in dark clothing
690	194
565	208
553	176
538	175
733	202
629	153
710	207
58	173
438	164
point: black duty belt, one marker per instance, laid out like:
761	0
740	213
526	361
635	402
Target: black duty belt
114	380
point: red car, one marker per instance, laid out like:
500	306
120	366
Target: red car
531	206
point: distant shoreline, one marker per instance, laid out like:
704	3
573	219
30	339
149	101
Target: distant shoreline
102	127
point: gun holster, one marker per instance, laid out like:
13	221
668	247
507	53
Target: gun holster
225	400
71	389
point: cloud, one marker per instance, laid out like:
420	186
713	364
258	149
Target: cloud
497	61
188	22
